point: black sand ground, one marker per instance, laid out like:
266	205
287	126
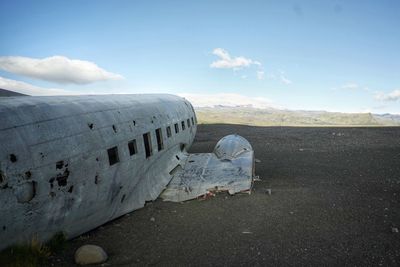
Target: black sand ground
335	201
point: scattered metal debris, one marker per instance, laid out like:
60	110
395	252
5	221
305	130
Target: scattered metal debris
256	178
229	168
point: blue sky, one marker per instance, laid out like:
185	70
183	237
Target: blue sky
314	55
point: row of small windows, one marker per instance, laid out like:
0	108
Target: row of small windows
113	157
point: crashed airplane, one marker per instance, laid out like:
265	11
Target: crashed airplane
72	163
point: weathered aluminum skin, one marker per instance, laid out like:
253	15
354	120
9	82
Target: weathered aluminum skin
229	168
55	173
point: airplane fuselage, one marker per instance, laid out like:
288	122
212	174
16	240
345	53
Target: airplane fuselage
72	163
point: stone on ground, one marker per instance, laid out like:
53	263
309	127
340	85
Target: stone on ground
90	254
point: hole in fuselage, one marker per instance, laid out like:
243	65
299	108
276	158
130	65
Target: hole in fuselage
2	177
62	179
13	158
59	164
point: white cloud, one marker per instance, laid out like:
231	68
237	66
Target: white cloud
227	99
283	78
392	96
260	75
353	87
350	86
29	89
227	62
57	69
279	76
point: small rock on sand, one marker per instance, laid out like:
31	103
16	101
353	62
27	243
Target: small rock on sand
90	254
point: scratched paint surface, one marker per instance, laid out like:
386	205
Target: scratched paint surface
72	163
55	159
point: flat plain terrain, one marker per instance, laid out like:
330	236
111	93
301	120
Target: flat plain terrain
247	115
335	201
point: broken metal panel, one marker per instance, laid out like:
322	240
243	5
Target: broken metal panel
229	168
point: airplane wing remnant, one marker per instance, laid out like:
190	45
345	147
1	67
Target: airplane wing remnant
229	168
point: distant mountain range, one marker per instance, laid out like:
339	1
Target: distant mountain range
388	118
276	117
249	115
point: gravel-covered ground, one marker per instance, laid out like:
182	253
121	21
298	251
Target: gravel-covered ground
335	201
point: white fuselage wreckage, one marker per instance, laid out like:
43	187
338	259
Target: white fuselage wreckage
71	163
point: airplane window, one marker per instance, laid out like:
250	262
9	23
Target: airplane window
169	131
192	121
176	128
188	123
160	144
147	144
113	155
183	125
132	147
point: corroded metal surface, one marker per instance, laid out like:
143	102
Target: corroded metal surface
71	163
229	168
55	171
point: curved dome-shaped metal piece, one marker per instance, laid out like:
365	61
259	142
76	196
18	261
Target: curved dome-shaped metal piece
231	146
